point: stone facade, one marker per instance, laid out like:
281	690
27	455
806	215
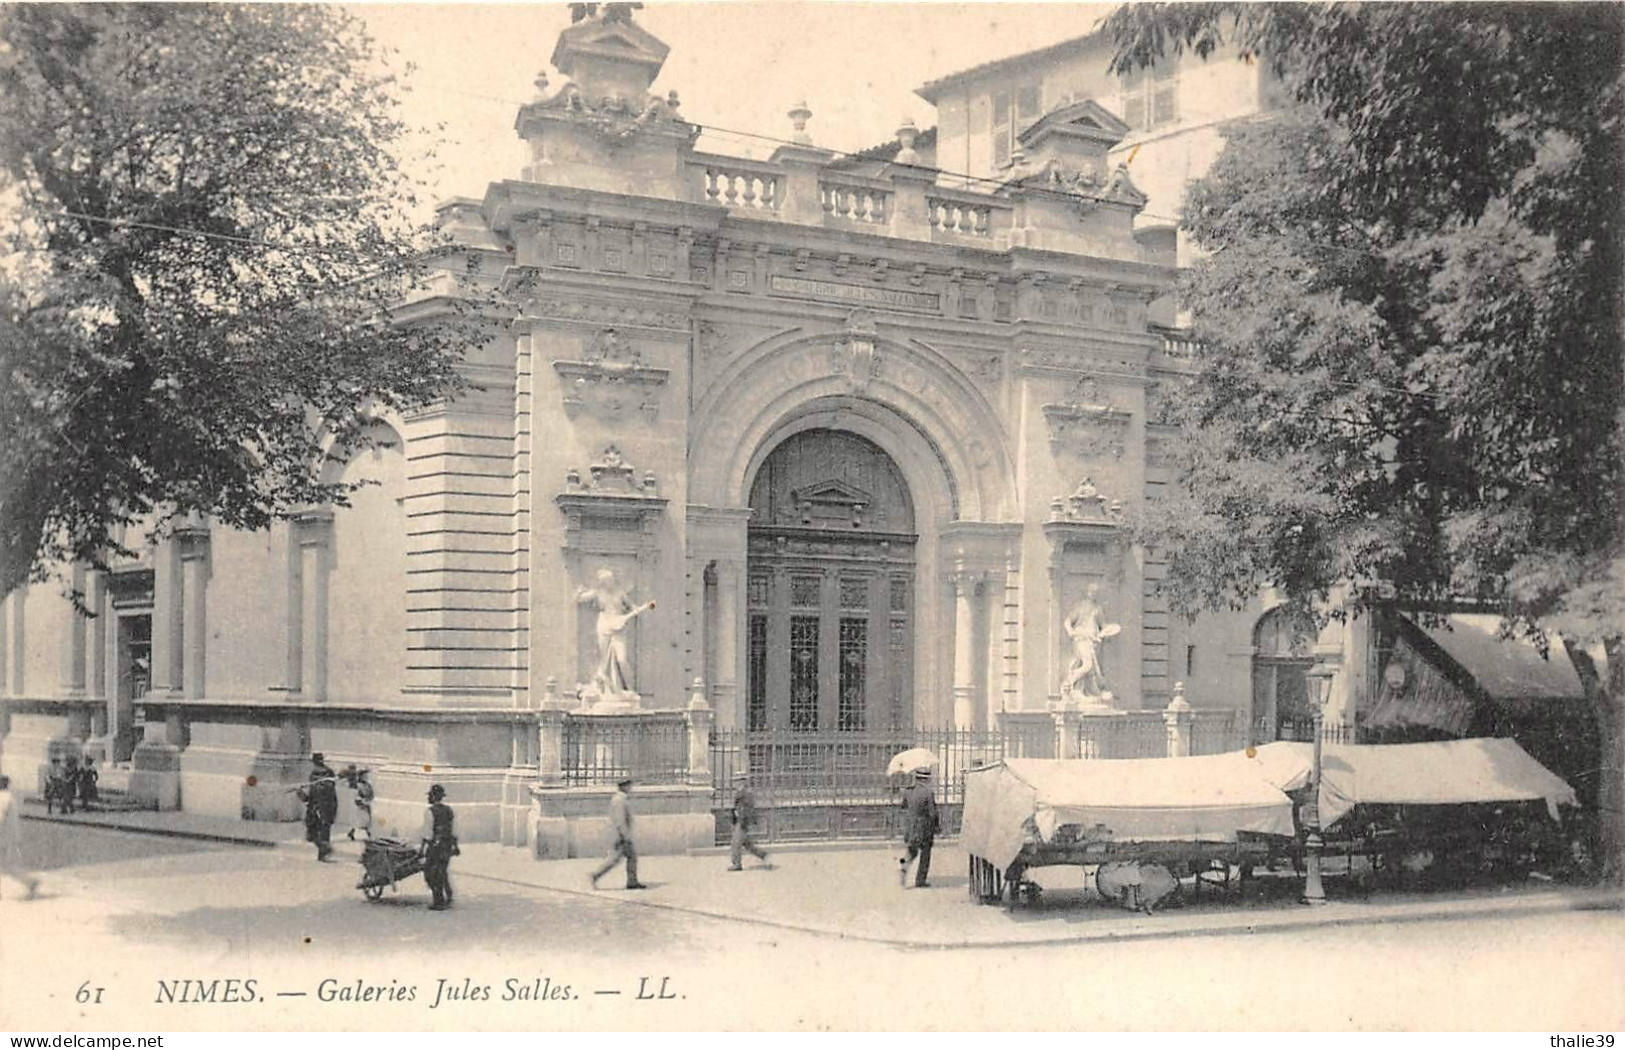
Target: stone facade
673	318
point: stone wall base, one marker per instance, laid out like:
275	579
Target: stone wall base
574	821
155	776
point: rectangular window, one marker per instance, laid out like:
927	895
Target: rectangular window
1001	129
899	594
1029	105
804	672
1150	96
758	591
854	668
756	715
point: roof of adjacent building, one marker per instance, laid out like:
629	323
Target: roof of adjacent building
932	90
889	149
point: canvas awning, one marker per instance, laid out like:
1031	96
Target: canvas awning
1446	772
1504	668
1204	799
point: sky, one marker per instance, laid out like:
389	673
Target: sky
736	66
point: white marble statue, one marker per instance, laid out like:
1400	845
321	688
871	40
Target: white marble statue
612	678
1085	680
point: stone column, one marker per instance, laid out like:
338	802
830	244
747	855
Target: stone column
167	619
1177	717
194	556
699	736
313	535
964	647
74	651
96	683
729	626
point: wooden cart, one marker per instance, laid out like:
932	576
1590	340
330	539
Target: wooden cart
384	862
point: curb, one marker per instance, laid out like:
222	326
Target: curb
168	833
1595	901
1329	917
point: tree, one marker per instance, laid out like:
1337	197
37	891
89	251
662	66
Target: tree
209	228
1410	316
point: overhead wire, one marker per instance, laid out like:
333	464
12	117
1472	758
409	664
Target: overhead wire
354	254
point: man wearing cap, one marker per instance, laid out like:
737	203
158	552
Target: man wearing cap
439	846
620	820
321	799
744	817
920	825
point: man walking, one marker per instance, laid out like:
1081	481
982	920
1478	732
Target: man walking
11	839
920	825
744	818
55	784
620	820
321	799
439	846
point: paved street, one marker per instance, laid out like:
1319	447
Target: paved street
124	912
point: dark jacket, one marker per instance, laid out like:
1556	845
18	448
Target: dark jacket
321	797
745	808
920	823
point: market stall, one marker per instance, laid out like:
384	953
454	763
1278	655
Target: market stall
1186	813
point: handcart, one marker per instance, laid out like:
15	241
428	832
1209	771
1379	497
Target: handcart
384	862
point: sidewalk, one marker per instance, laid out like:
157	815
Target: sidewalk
850	890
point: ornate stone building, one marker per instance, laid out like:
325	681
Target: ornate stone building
862	437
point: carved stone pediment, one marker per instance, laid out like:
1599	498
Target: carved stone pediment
829	501
1086	424
611	380
1086	504
611	495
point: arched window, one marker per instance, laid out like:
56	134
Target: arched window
1282	655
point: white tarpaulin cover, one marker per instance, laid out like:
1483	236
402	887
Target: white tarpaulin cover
1205	799
1446	772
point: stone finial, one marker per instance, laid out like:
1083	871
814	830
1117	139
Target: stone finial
541	84
1178	705
799	115
907	135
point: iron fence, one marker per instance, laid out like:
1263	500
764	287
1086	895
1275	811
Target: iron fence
650	748
1215	732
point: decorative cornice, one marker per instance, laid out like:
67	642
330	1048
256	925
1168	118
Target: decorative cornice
610	379
1086	424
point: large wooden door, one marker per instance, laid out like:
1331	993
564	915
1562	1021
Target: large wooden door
831	588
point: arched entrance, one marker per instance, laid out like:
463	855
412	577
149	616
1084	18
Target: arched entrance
830	602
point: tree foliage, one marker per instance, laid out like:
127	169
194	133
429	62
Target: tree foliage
209	226
1411	319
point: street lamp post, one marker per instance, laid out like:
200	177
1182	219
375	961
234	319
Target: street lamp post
1314	893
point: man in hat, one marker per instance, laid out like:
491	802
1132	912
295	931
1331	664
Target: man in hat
620	820
439	846
744	818
920	826
11	839
321	799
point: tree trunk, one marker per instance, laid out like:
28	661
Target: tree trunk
1606	692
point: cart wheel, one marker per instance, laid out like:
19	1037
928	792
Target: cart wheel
373	893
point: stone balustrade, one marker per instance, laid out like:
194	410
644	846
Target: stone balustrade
855	202
734	182
963	214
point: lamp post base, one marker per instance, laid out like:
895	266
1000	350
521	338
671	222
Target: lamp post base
1314	892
